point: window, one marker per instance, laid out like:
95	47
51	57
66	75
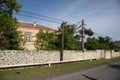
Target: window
27	36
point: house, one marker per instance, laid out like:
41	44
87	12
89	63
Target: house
29	31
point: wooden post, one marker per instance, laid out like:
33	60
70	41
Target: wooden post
83	26
62	41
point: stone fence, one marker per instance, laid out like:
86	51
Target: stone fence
16	58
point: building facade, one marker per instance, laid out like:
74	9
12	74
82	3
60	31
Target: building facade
29	31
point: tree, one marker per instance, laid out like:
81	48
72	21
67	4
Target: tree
69	37
88	32
47	41
9	37
100	43
52	41
91	43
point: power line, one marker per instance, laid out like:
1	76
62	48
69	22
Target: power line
21	14
43	16
28	12
99	34
103	35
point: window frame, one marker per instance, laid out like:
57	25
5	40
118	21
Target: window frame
27	36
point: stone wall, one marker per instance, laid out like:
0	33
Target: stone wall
79	55
12	58
21	58
111	54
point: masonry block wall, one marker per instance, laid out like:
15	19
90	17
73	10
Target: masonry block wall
79	55
21	58
11	58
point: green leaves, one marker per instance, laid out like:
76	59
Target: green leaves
99	43
9	37
52	41
9	6
88	32
69	38
47	41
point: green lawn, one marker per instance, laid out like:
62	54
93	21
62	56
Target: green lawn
17	74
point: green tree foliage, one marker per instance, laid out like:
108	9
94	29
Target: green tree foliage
99	43
9	37
88	32
52	41
69	38
47	41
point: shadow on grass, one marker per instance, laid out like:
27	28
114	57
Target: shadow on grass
88	77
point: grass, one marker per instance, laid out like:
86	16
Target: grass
37	71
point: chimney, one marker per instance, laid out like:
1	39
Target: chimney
34	24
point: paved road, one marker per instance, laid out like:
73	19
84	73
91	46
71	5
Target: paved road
106	72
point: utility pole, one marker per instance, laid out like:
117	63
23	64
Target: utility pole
83	34
62	41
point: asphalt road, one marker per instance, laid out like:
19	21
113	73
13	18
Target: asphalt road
106	72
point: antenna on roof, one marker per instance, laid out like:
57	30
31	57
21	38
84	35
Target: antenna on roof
34	24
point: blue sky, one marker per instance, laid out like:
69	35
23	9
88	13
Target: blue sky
102	16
